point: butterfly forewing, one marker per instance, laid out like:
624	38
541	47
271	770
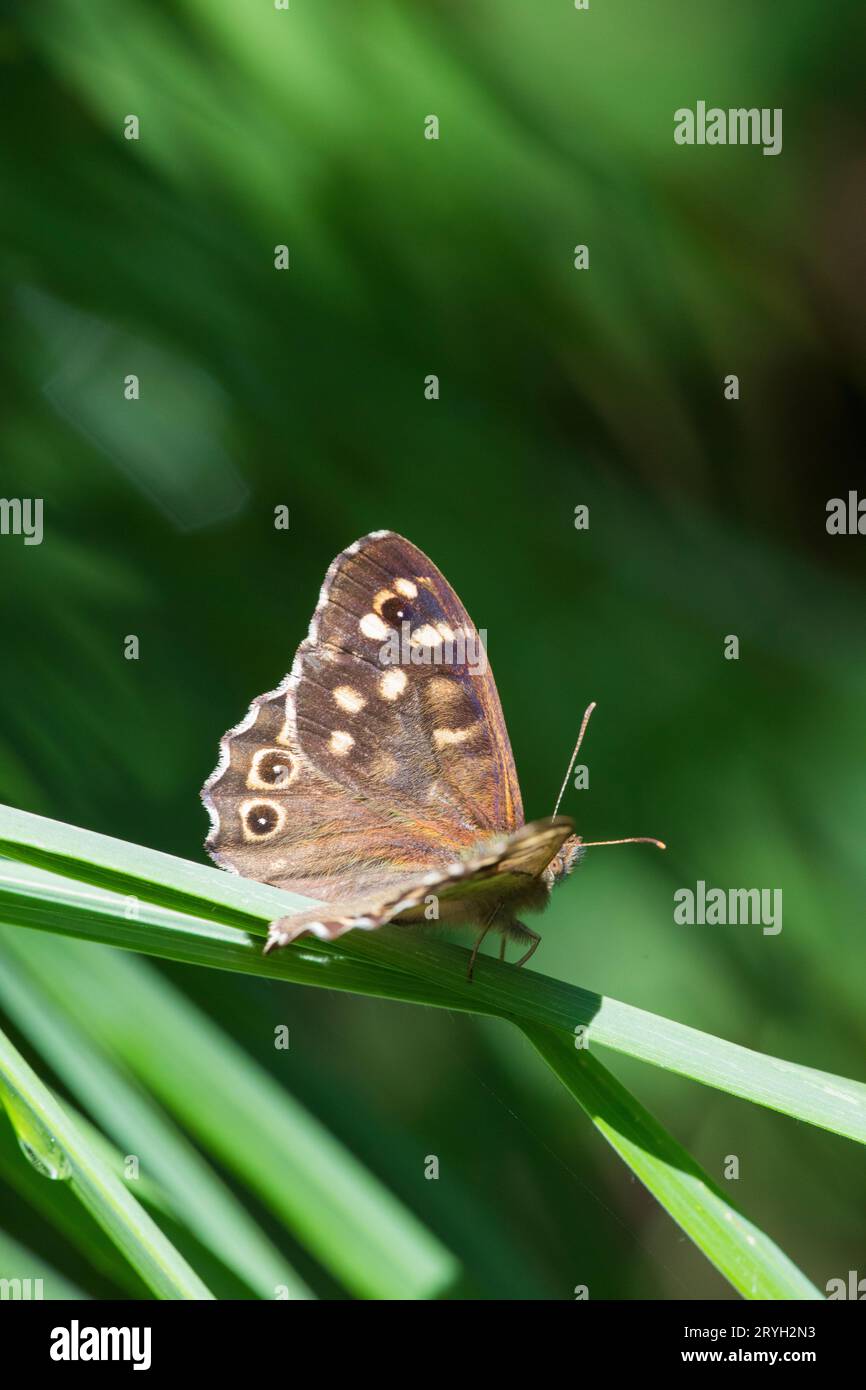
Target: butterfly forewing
395	699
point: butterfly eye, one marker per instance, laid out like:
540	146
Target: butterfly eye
397	610
262	818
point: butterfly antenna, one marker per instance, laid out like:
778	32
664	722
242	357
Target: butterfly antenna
583	723
630	840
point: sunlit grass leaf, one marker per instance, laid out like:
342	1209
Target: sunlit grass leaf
334	1206
17	1263
747	1257
53	1021
60	1149
53	1208
399	965
390	963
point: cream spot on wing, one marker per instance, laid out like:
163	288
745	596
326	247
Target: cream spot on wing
440	688
340	742
443	737
426	636
383	767
406	588
392	684
349	699
445	631
372	626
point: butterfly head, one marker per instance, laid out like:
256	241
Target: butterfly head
566	857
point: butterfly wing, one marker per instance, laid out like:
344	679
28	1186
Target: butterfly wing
376	760
496	877
276	818
394	698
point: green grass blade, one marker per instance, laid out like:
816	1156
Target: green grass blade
17	1263
330	1202
396	963
391	963
60	1146
35	993
821	1098
747	1257
55	1205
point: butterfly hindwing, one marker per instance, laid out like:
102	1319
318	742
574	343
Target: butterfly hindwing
502	875
277	818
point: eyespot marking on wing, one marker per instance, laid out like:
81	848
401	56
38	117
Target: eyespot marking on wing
261	820
271	767
381	598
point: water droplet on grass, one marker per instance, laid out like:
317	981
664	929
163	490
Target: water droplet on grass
36	1142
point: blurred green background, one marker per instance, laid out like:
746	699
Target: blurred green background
558	388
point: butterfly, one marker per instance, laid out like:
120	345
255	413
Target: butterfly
378	777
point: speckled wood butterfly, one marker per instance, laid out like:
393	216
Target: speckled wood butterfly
378	777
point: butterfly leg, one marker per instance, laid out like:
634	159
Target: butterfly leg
484	930
526	933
